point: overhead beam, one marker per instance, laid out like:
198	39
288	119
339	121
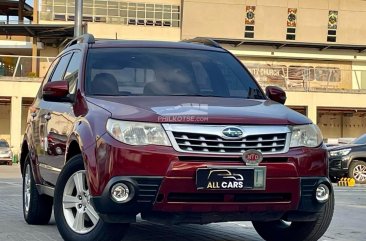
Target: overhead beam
280	46
30	31
324	48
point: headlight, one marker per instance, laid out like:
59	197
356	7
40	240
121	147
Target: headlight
342	152
137	133
306	135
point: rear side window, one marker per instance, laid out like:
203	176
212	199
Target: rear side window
72	72
167	72
59	72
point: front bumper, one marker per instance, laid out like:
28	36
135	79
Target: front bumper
338	166
176	201
164	182
6	158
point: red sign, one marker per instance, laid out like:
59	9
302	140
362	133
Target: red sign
252	157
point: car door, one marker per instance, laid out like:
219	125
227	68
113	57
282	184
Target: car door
34	114
48	132
62	116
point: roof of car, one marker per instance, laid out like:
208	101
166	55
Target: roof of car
152	44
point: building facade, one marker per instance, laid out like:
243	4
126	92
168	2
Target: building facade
314	49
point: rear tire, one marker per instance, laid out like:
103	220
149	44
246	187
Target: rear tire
299	231
37	209
357	170
76	219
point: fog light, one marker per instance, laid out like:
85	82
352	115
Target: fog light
322	193
120	192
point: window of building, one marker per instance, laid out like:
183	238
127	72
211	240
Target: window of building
113	11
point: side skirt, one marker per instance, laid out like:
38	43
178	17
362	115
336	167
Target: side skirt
46	190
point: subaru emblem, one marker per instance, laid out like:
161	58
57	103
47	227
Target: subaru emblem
232	132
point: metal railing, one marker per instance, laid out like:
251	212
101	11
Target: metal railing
24	66
13	21
324	79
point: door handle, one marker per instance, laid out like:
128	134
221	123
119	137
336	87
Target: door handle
47	116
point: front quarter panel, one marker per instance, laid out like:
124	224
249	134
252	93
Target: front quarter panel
86	132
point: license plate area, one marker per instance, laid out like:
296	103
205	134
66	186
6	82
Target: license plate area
231	178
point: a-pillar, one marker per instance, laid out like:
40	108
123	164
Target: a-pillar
16	123
312	113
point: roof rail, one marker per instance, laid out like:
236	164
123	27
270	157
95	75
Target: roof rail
85	38
204	41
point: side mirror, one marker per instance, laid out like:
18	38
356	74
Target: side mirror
276	94
56	91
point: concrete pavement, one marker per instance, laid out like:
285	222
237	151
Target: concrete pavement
347	225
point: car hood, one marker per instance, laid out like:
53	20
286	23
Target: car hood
343	146
212	110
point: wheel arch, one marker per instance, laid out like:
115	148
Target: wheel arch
72	150
82	141
23	154
354	159
360	158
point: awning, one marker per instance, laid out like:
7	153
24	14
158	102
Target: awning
282	44
46	33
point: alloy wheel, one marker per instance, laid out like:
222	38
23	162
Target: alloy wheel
27	188
79	213
359	173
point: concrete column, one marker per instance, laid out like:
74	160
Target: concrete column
35	11
312	113
35	68
16	123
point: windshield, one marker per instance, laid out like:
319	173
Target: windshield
4	144
167	72
360	140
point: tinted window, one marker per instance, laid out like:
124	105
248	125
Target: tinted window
59	72
4	144
360	140
163	72
47	77
72	72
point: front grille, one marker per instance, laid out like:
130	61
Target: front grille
205	143
229	159
237	198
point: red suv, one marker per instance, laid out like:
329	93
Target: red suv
177	132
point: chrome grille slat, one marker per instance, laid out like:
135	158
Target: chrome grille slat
231	147
240	141
209	139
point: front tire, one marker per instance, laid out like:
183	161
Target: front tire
357	170
37	209
300	231
75	217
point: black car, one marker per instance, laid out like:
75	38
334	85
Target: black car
349	160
